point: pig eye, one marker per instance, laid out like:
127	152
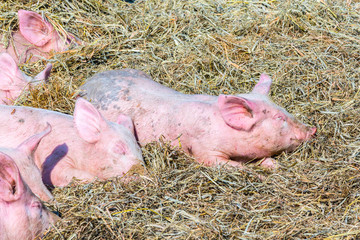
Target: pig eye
121	148
36	205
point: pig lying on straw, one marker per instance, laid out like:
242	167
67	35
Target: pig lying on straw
85	146
36	38
216	130
23	156
22	215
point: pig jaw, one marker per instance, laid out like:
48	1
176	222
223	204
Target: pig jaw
26	218
114	154
123	153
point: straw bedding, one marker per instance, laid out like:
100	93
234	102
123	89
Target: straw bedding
311	50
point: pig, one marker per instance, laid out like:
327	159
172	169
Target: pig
22	215
85	146
36	39
217	130
13	81
23	156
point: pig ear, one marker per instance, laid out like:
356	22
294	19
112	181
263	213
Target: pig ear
30	144
12	80
34	28
126	121
263	86
11	185
43	75
237	112
10	74
88	121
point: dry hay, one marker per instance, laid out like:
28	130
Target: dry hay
311	50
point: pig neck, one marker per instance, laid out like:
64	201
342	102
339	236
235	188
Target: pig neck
201	130
189	119
65	141
20	49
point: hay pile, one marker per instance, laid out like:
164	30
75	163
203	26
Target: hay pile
312	51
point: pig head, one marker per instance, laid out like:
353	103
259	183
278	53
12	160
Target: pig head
22	215
250	126
23	156
225	130
13	81
85	146
36	38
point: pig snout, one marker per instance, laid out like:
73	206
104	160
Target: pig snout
305	133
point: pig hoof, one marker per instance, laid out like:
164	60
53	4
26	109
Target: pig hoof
269	163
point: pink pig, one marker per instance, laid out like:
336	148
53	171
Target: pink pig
13	81
22	215
36	39
215	130
23	156
85	146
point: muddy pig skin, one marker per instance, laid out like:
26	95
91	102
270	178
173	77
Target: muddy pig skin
13	81
36	39
216	130
22	215
23	155
85	146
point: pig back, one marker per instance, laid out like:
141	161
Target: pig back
19	123
127	91
127	84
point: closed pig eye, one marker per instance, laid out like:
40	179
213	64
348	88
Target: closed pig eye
36	204
120	148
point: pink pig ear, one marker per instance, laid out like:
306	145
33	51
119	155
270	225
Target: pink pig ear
12	80
11	184
34	28
88	121
126	121
237	112
10	73
263	86
43	75
30	144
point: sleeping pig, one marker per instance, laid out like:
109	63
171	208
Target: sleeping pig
23	156
36	39
216	130
22	215
85	146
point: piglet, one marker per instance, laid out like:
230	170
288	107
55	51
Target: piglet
36	38
13	81
216	130
23	156
22	215
85	146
